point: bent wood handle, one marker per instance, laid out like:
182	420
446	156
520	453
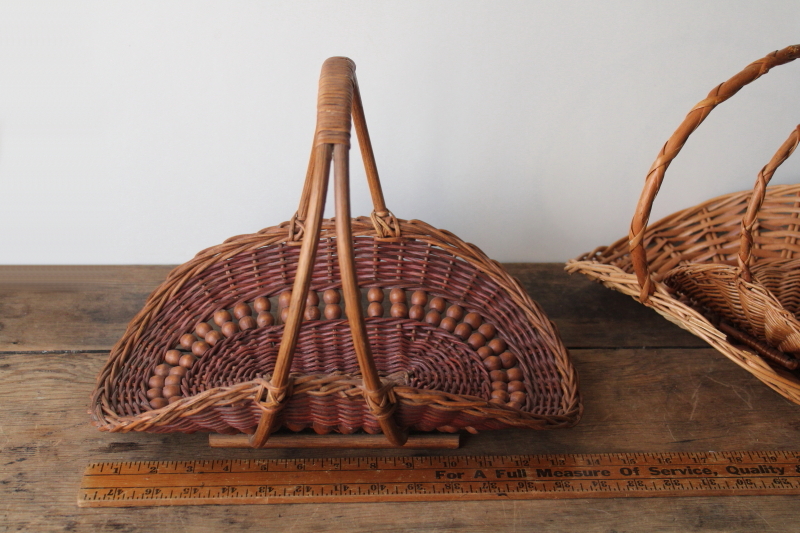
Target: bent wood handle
339	98
757	200
332	142
673	147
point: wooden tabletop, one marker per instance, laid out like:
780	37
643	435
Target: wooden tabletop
646	384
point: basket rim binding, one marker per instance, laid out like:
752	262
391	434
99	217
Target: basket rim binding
605	263
306	228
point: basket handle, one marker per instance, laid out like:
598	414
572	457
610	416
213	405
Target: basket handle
757	199
674	145
333	125
337	88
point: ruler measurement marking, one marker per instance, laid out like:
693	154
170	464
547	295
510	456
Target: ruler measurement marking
439	478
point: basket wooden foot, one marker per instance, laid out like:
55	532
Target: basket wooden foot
449	441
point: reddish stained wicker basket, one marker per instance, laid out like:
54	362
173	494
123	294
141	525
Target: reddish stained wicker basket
379	374
694	266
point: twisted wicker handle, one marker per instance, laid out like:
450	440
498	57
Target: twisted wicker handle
674	145
332	143
334	110
760	189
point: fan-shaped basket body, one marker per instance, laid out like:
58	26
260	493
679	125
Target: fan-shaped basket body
496	362
726	269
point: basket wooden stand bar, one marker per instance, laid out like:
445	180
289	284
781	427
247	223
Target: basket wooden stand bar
495	361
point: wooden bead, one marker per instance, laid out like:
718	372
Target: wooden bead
172	379
247	322
509	359
456	312
484	352
158	403
399	310
242	310
416	312
284	314
515	386
497	345
515	374
332	296
264	319
518	396
202	329
174	399
170	391
312	312
438	303
213	337
262	304
498	375
201	347
155	382
152	394
162	370
474	320
448	324
334	311
188	360
434	318
172	357
419	298
397	296
492	363
487	330
500	395
178	371
187	339
375	295
222	316
229	329
476	340
284	298
463	331
499	385
312	298
375	309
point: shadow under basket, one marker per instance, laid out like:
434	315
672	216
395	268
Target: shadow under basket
339	325
728	270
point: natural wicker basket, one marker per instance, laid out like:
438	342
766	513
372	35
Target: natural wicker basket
694	266
379	373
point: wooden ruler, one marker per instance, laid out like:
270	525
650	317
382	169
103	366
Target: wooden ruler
383	479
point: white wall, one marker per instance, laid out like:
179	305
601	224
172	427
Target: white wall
142	132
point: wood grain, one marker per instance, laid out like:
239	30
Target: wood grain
682	398
71	308
659	400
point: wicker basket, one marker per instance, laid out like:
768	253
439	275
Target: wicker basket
494	361
694	266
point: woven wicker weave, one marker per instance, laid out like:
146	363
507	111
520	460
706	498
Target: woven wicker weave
379	373
728	270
